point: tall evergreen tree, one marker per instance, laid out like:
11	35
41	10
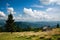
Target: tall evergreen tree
10	25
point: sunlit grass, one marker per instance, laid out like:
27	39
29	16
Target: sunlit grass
53	35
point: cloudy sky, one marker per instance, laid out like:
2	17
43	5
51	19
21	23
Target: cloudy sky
30	10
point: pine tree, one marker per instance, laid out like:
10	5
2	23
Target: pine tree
57	25
10	25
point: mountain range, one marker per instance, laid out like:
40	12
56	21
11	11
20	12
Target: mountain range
33	24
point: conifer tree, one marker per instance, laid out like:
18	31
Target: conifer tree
57	25
10	25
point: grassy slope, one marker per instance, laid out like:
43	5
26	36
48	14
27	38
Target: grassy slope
54	35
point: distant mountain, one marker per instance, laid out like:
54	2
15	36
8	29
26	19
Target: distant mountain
37	24
33	24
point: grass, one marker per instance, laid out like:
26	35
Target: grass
48	35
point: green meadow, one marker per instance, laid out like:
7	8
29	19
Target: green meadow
54	34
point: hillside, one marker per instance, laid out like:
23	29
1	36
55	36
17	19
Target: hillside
54	34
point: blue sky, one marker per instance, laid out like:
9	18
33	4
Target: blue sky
31	10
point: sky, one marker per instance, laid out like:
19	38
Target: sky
30	10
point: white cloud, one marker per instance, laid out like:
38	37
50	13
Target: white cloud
50	14
2	14
47	2
37	15
11	10
49	9
55	12
37	6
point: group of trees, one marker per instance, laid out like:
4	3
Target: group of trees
11	27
